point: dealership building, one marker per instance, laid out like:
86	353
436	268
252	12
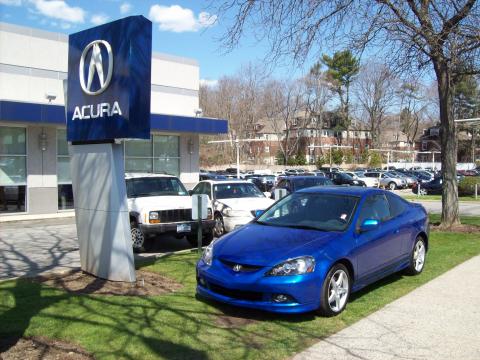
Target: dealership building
34	157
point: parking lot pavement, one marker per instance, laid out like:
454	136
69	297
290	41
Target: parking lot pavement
33	247
438	320
466	208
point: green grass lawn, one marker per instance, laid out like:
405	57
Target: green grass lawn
178	326
467	220
437	197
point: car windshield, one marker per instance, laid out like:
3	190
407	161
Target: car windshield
155	186
309	182
238	190
317	211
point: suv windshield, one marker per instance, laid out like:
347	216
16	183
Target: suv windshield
155	186
239	190
326	212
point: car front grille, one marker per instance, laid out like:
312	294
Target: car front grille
235	293
243	267
176	215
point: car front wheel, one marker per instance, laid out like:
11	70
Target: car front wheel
392	185
139	241
335	291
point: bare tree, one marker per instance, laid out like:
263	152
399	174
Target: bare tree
443	34
375	92
283	100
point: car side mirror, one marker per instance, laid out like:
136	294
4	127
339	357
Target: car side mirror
190	192
258	213
368	225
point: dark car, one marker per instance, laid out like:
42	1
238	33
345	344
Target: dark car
339	178
212	176
433	187
313	248
264	182
295	183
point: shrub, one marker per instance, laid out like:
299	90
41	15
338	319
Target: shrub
375	159
321	161
337	156
466	186
300	159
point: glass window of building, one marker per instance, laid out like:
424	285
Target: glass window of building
13	169
160	154
64	180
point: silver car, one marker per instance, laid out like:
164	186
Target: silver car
388	180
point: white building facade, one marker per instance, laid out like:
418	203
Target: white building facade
34	159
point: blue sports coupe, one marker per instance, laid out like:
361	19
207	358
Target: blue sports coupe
313	248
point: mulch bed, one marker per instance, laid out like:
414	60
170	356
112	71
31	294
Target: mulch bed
34	348
462	228
78	282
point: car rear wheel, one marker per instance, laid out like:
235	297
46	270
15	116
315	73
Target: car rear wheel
335	291
219	228
392	185
417	257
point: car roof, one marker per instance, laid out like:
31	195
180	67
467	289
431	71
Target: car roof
147	175
343	190
223	182
294	178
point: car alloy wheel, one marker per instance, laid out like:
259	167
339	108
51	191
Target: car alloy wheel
138	239
419	256
338	291
219	228
335	291
392	185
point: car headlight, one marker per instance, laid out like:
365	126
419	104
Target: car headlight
153	217
227	211
298	266
207	255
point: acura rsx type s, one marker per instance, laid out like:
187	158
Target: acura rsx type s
311	249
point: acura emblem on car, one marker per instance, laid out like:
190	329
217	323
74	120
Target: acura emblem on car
237	267
96	66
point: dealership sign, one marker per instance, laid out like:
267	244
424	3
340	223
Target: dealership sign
109	75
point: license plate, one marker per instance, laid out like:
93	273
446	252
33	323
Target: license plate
183	228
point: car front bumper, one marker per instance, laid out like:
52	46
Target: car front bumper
257	291
232	222
158	229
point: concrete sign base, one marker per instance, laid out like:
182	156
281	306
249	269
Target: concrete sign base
101	210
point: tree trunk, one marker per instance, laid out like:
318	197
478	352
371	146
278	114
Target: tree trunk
448	136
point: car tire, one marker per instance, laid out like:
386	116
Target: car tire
335	291
140	242
392	185
219	228
417	257
206	239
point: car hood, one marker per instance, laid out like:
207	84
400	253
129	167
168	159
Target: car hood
262	245
159	203
247	203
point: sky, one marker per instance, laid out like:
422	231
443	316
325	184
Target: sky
182	28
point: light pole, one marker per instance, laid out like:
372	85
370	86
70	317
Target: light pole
235	143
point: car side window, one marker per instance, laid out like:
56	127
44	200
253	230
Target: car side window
397	205
374	207
198	189
208	190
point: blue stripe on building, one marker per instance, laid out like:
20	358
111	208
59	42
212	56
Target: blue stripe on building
55	114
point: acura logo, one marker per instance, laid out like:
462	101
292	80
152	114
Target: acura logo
237	267
95	66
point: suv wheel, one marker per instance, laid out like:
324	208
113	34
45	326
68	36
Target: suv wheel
139	241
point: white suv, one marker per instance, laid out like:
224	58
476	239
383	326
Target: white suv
160	204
